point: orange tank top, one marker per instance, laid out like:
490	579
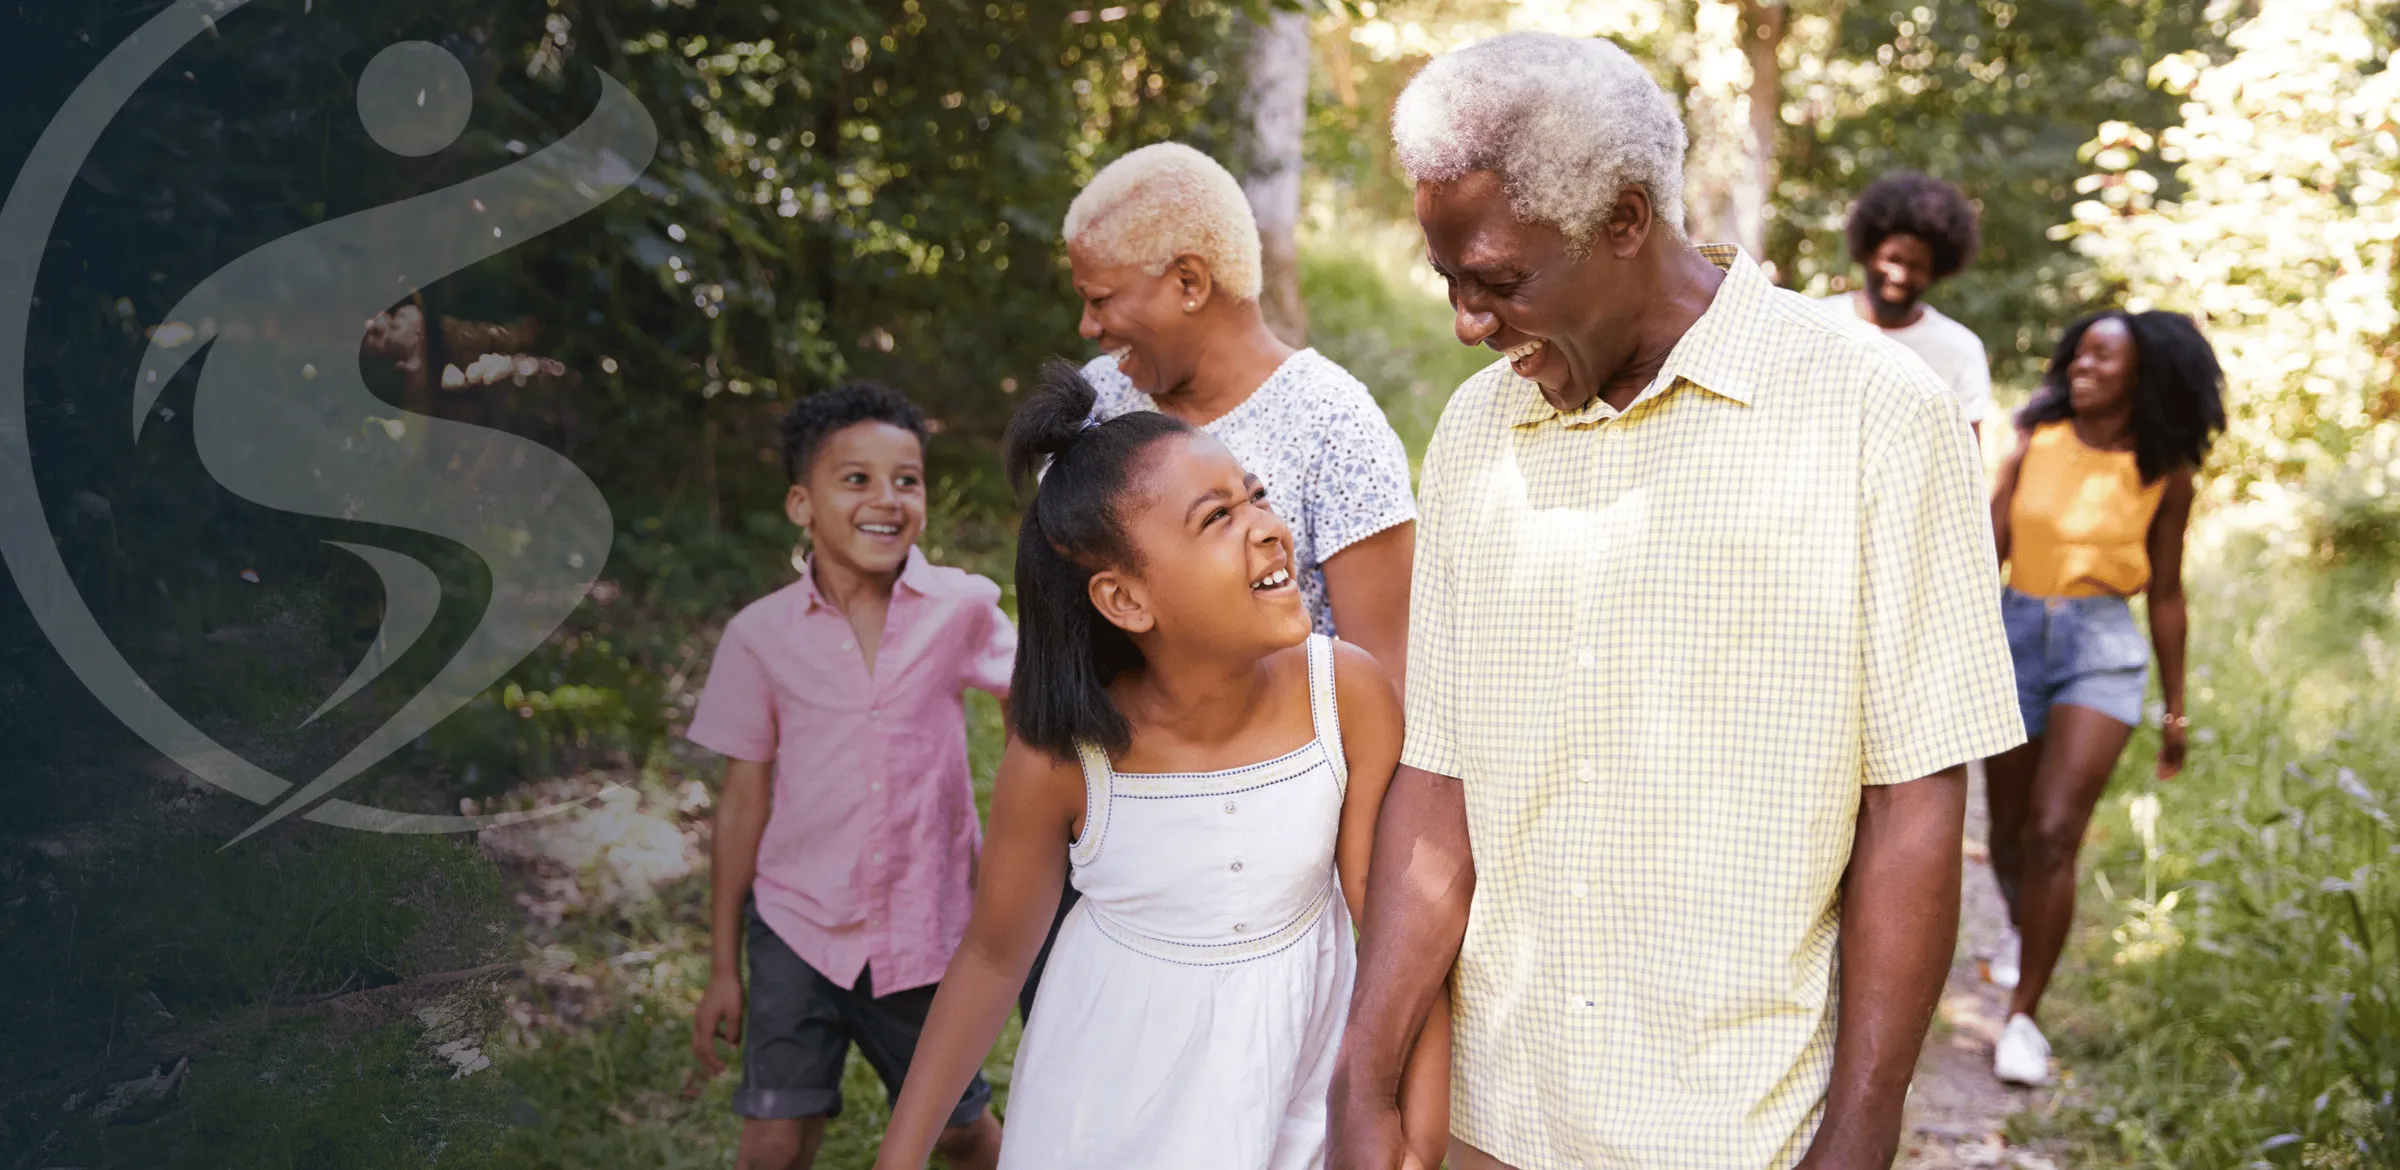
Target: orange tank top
2079	525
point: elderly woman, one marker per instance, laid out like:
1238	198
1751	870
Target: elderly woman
1702	639
1165	255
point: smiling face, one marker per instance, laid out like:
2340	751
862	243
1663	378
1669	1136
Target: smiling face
1216	566
863	499
1898	273
2100	379
1141	319
1563	321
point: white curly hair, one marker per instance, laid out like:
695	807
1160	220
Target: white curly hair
1163	200
1566	122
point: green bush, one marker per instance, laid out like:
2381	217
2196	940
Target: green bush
2239	1003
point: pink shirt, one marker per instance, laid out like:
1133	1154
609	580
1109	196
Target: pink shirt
873	830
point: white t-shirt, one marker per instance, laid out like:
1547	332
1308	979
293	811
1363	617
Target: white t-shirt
1335	470
1952	349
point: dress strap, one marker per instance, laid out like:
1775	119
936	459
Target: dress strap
1096	783
1323	711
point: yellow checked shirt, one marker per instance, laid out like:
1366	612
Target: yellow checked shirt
1663	649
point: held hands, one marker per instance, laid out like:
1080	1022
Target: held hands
2173	733
720	1014
1364	1131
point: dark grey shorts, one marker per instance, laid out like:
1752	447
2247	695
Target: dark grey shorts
801	1027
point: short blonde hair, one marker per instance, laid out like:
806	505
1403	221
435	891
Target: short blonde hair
1566	122
1163	200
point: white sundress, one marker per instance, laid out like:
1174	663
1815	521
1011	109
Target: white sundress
1195	998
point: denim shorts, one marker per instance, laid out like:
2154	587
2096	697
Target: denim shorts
801	1028
2087	651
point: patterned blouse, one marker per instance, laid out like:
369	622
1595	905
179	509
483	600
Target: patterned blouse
1334	468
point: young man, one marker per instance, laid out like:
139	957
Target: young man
1910	232
846	833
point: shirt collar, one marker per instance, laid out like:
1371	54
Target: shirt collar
1711	355
915	575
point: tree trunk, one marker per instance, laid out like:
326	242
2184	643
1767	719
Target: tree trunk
1275	103
1762	31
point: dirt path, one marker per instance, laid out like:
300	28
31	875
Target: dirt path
1957	1113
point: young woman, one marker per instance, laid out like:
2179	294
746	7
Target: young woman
1211	771
2089	510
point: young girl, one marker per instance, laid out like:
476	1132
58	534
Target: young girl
1211	772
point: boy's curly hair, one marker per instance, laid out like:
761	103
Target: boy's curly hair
1907	203
810	420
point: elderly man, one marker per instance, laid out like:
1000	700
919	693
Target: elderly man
1703	630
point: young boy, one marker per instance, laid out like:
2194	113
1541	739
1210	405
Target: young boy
846	834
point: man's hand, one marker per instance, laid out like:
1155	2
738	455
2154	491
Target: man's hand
1419	888
720	1014
1364	1128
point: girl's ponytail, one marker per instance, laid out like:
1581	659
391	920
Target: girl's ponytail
1067	654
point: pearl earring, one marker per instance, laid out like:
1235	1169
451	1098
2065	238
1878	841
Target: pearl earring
1188	306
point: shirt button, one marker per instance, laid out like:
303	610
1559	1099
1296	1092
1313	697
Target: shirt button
847	644
1585	658
1241	928
1585	772
879	857
1578	889
1237	867
1228	806
877	786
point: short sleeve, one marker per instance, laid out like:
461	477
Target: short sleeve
1358	476
1940	688
1434	660
1974	382
736	716
992	652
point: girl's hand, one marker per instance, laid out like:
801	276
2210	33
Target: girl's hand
2172	734
720	1013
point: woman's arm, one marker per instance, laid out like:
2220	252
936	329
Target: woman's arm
1367	585
1037	802
2169	620
1369	709
2004	491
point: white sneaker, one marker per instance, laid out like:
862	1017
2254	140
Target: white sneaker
2002	968
2023	1055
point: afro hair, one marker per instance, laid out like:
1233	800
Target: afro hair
1907	203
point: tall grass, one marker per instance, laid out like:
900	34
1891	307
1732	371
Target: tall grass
2236	999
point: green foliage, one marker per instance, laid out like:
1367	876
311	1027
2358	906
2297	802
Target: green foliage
1394	336
297	1099
1997	96
2255	1018
2283	238
615	1096
864	188
206	929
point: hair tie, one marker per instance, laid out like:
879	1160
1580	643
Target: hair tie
1090	424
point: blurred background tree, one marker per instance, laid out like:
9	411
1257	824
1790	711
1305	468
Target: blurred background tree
2282	233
